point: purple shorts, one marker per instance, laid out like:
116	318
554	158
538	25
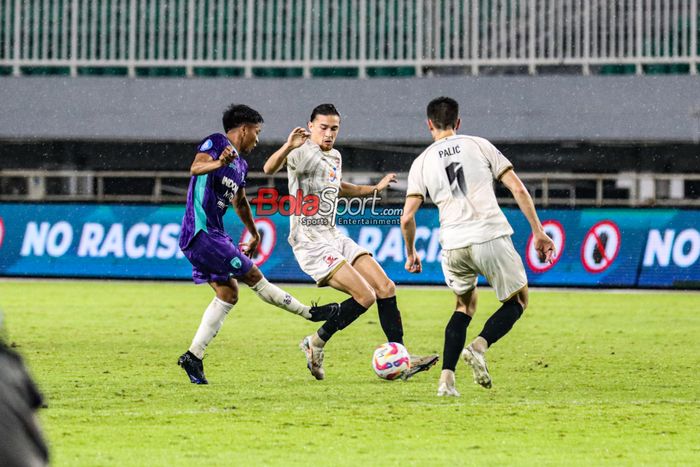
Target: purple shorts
215	258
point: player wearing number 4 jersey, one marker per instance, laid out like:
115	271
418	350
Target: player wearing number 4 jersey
218	180
314	168
458	173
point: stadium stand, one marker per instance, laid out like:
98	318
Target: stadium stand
596	101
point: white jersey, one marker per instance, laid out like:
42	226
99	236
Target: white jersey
457	173
312	171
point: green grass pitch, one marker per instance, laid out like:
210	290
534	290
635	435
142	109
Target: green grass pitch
583	378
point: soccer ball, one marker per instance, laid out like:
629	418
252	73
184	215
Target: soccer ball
390	360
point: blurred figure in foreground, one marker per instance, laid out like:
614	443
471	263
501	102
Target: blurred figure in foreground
21	441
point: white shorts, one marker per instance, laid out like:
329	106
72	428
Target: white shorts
496	260
320	253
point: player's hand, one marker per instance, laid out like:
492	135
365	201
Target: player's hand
544	246
227	155
384	182
297	137
251	246
413	264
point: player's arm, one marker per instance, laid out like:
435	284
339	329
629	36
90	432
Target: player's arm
349	189
543	244
296	138
244	212
203	163
408	229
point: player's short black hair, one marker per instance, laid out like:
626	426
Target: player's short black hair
239	114
324	109
443	112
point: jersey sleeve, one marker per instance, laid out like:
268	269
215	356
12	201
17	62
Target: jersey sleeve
416	183
213	145
498	163
244	170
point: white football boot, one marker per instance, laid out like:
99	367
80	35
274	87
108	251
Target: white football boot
477	362
314	358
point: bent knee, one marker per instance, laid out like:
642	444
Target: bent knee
386	289
228	296
366	297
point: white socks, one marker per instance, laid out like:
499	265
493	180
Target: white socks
212	320
270	293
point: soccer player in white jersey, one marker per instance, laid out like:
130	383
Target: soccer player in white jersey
323	252
458	173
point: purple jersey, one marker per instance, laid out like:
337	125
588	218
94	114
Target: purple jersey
209	195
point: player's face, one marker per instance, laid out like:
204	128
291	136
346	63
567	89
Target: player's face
324	130
250	138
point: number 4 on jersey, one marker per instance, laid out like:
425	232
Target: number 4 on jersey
455	176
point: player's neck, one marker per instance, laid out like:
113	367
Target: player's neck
235	139
440	134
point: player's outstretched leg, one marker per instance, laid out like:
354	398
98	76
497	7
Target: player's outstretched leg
495	328
270	293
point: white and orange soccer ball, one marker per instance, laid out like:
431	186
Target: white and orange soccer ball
390	360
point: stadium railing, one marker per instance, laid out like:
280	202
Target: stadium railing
631	189
345	37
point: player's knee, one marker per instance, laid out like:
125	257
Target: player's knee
517	304
366	297
522	298
386	289
228	296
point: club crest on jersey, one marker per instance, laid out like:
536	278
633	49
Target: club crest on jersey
333	174
236	263
330	259
206	145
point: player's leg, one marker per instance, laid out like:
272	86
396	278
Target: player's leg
385	289
347	280
503	268
327	266
455	338
212	320
362	296
461	278
501	321
389	314
270	293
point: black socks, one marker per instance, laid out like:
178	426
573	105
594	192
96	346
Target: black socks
390	319
350	310
455	337
501	321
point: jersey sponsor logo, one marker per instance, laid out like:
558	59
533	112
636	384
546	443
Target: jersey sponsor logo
268	239
556	232
2	231
207	145
683	249
600	246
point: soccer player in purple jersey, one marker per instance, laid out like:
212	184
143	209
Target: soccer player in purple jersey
219	179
